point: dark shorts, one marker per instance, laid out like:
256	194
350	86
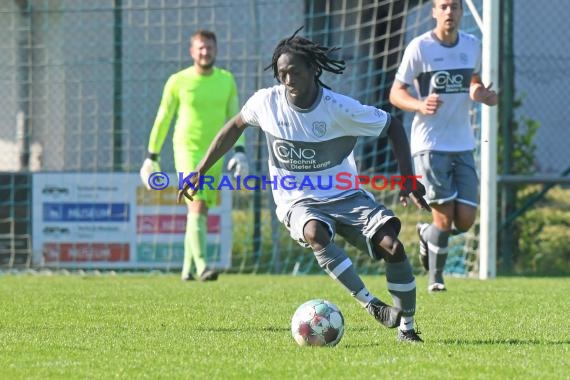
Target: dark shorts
356	218
448	176
185	162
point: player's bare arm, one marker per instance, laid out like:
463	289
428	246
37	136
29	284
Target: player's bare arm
222	143
401	148
481	93
401	98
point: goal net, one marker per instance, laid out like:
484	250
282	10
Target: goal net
82	81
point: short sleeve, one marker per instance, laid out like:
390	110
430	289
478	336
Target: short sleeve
357	119
250	112
478	58
407	70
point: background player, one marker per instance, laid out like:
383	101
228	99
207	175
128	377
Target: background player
203	97
444	66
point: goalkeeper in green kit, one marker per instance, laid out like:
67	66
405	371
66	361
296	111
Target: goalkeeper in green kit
203	97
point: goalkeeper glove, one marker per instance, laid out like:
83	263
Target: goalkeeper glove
149	166
238	163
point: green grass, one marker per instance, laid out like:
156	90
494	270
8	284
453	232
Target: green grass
156	327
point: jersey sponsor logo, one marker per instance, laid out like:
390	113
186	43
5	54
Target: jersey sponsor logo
303	156
445	82
286	151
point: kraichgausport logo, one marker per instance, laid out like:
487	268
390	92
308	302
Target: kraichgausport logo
340	181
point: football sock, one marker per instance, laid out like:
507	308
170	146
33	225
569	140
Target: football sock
402	286
406	323
437	251
195	243
363	297
338	266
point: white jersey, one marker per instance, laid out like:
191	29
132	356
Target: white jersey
433	67
308	148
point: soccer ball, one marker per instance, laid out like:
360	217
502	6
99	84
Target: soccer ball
317	323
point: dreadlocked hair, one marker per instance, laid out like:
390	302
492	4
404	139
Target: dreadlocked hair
312	52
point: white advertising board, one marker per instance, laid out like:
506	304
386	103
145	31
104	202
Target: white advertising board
109	220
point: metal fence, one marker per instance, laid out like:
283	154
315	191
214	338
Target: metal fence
80	80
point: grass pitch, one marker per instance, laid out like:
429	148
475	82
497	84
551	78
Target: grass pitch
156	327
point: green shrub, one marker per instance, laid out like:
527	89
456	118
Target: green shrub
543	241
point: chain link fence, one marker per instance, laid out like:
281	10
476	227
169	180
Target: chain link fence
541	52
80	81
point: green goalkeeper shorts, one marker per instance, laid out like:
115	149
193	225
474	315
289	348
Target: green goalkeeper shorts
186	161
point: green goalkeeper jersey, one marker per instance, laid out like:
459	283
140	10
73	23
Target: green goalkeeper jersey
202	104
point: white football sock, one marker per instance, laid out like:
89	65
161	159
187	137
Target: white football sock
406	323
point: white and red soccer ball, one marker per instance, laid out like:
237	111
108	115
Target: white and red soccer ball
317	323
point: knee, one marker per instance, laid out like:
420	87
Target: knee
389	248
396	252
316	234
444	223
197	207
463	224
464	217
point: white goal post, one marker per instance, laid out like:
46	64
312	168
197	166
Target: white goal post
489	143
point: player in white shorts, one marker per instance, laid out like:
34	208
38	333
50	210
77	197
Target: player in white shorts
311	132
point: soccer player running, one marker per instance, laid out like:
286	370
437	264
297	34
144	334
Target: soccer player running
444	66
311	132
203	97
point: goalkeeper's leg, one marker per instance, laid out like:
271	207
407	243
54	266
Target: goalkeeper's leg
195	239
